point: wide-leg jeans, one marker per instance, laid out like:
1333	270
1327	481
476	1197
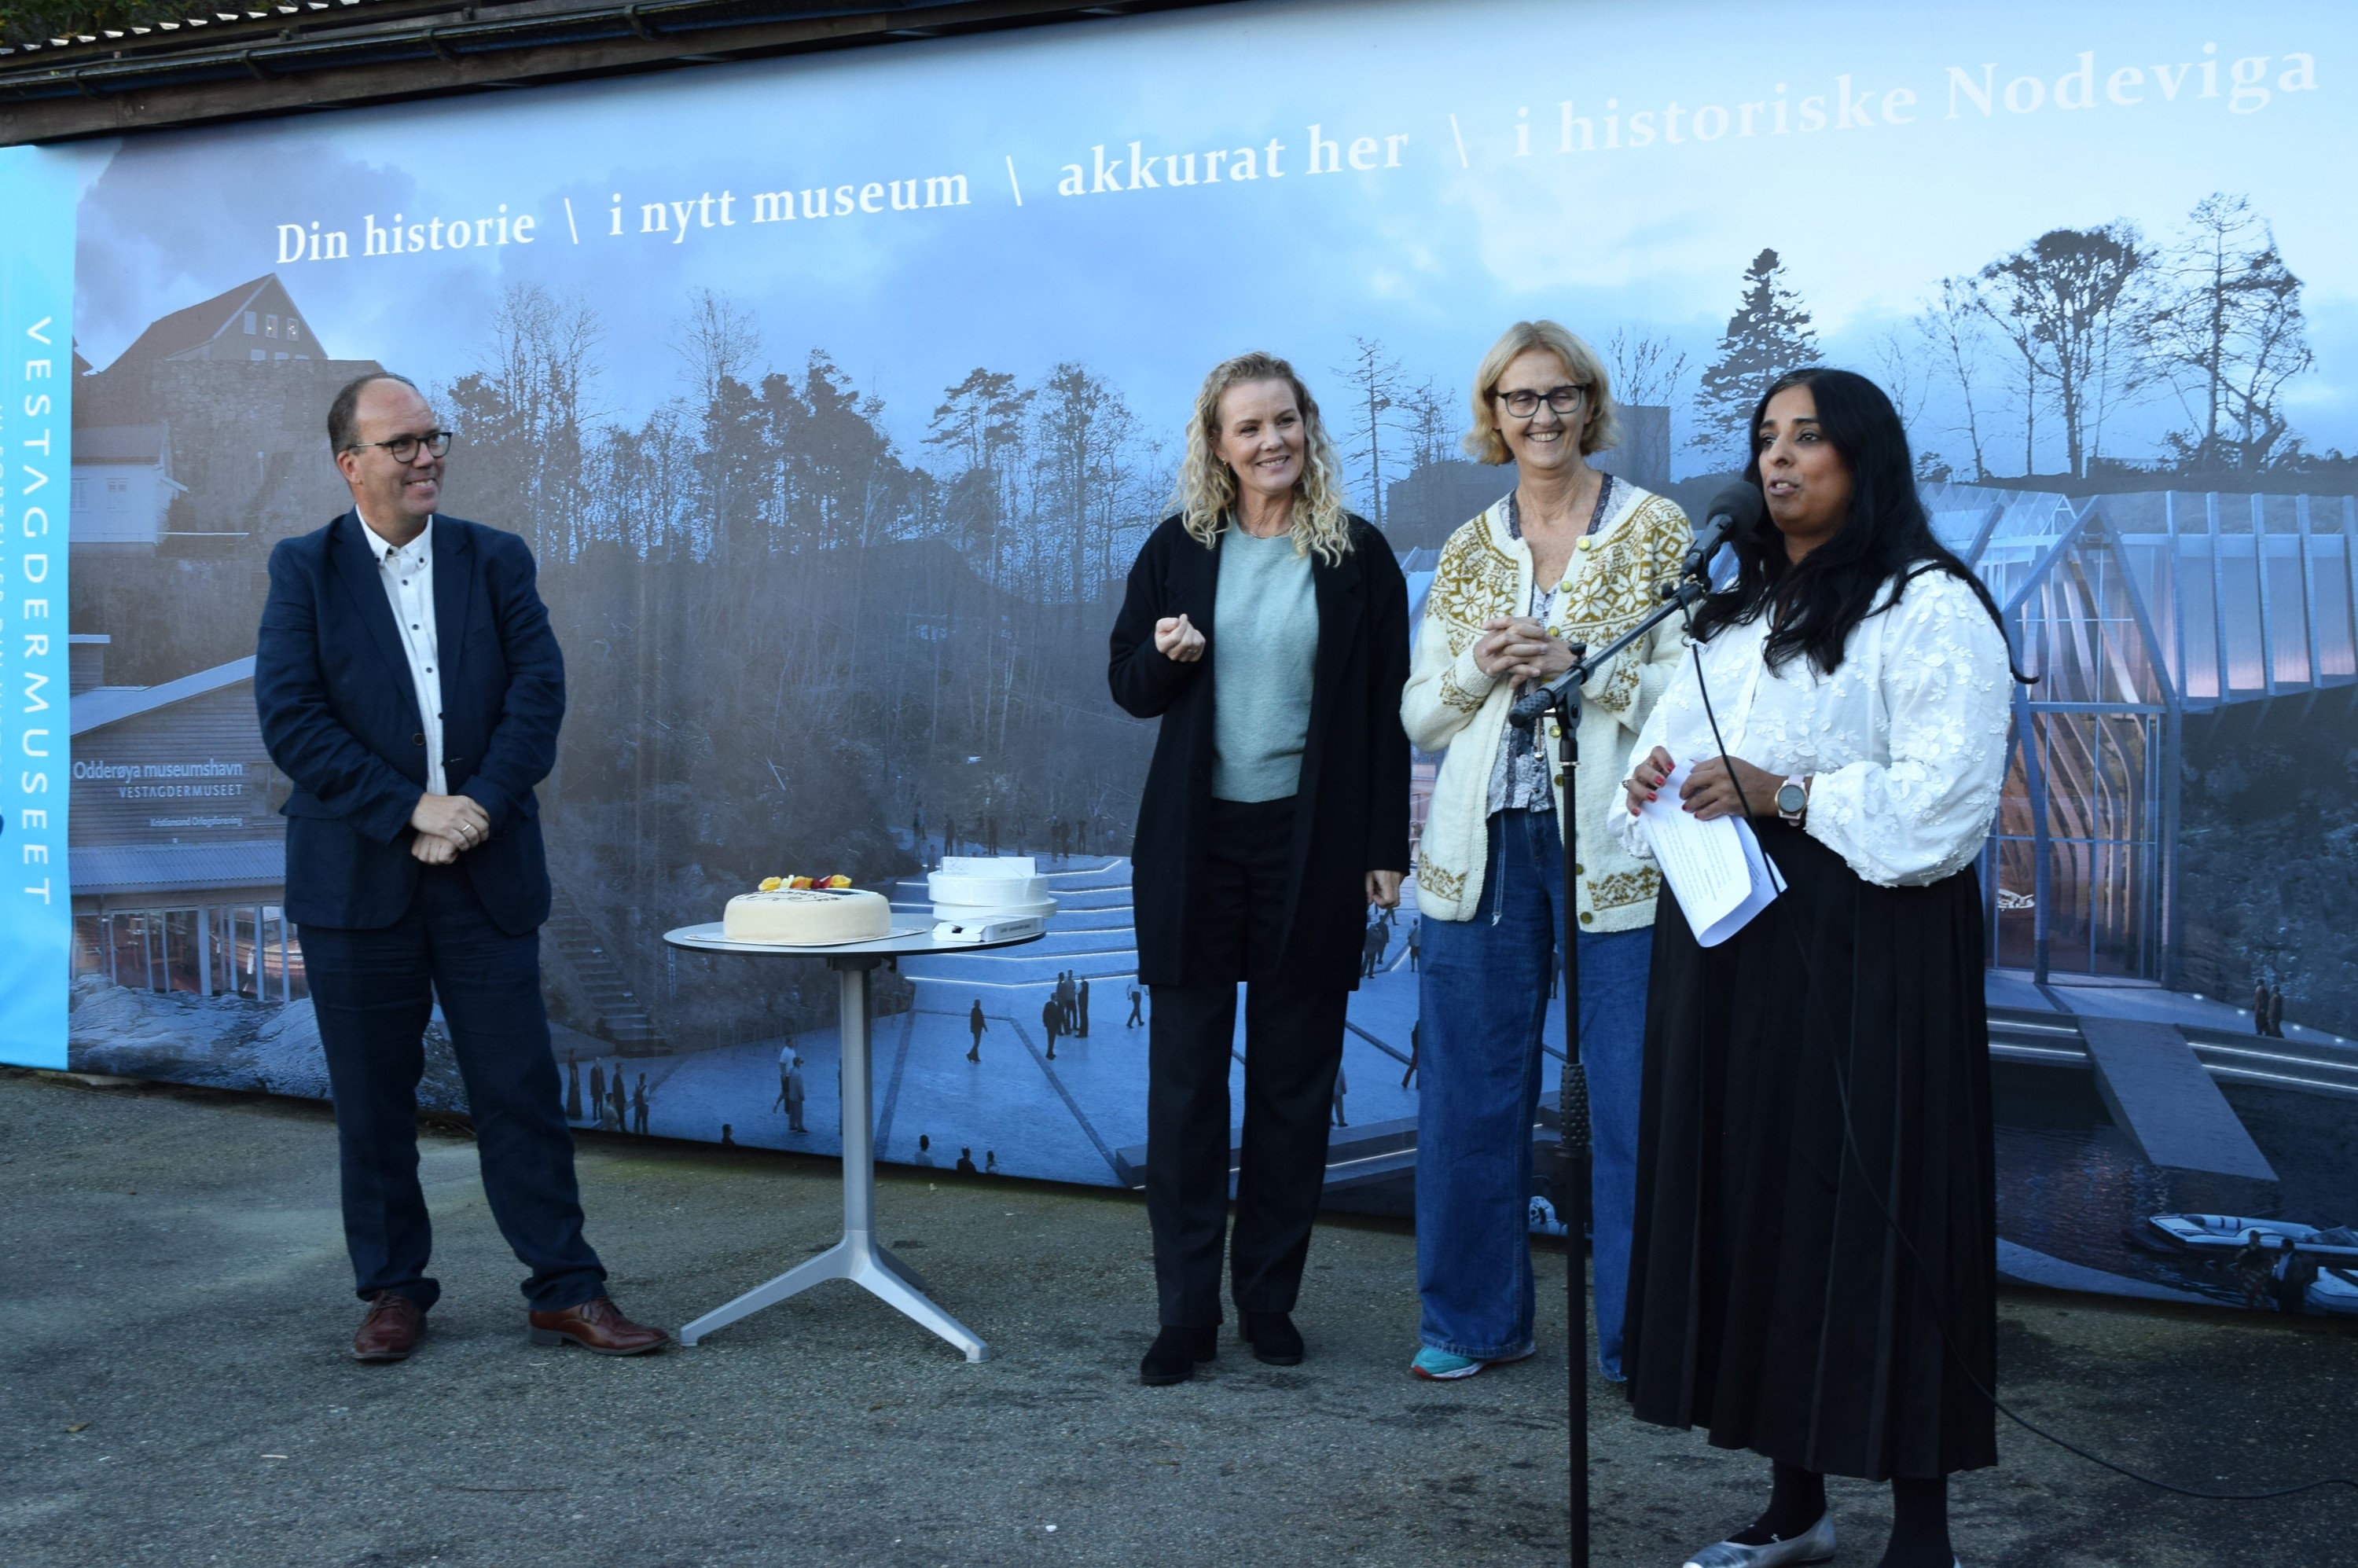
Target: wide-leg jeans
1483	996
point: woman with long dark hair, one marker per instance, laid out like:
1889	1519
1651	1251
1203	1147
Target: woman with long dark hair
1267	627
1813	1275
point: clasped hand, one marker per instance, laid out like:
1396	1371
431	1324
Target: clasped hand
1710	790
1518	647
448	824
1176	639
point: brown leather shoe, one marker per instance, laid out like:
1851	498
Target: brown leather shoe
391	1329
596	1325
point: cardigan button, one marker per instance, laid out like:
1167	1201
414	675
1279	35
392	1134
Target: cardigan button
1579	870
1559	780
418	739
1586	917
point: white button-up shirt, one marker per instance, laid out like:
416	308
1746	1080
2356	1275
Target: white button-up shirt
408	575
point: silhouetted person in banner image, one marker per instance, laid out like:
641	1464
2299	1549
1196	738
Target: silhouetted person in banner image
728	1138
1136	996
793	1093
409	687
572	1088
1416	1042
597	1091
965	1164
2253	1270
622	1100
991	1161
1415	947
975	1026
639	1105
2260	1007
1081	1010
1052	1018
2275	1013
1341	1086
924	1151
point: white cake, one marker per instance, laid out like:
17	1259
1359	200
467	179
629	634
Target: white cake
808	917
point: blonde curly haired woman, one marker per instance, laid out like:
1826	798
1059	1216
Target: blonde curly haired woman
1267	628
1571	553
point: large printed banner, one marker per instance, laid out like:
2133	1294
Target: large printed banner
833	396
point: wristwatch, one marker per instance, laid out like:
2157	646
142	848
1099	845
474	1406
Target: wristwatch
1793	799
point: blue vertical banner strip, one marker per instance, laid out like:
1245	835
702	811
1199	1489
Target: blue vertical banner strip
37	191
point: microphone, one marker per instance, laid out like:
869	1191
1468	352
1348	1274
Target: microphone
1735	508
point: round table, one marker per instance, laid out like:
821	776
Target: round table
857	1257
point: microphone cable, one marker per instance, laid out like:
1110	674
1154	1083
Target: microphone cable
1922	1271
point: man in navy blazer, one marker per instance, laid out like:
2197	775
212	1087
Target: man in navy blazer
411	688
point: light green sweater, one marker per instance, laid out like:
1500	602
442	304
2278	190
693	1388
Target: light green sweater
1265	623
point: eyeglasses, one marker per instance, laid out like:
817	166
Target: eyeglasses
1523	404
404	449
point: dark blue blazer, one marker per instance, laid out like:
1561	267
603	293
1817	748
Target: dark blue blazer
340	716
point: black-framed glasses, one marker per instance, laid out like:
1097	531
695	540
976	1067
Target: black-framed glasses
404	449
1523	403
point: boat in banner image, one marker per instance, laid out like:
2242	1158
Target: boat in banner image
2220	1235
2334	1294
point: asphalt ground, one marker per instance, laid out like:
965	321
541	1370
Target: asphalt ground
175	1312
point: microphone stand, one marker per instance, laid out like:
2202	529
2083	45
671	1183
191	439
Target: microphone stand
1561	699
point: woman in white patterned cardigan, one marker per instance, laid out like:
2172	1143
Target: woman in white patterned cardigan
1570	555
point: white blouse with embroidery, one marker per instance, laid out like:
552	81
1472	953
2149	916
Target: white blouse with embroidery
1905	743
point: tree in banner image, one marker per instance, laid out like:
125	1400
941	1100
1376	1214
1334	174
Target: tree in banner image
1768	335
1377	390
1646	370
1429	415
2229	335
1080	424
2073	303
1952	329
978	428
520	414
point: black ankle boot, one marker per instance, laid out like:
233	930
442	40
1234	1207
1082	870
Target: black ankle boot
1171	1358
1273	1336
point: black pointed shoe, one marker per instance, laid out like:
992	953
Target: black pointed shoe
1171	1358
1273	1336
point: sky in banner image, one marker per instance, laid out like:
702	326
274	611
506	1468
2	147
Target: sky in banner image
835	394
1878	154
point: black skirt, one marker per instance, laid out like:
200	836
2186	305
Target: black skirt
1770	1300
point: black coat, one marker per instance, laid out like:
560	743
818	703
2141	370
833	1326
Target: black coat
1352	813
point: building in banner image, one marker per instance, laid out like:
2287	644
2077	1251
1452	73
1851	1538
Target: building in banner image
122	487
205	437
256	320
178	856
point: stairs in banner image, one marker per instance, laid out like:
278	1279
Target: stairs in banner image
615	1013
1090	935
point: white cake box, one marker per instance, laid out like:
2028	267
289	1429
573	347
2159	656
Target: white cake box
989	893
1040	909
989	866
989	927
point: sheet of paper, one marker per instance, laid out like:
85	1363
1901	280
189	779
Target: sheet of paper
1716	869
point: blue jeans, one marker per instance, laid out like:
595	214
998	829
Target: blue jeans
1483	1000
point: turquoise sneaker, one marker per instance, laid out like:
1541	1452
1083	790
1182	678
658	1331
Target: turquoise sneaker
1441	1367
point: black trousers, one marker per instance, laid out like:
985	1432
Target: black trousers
1293	1044
372	992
